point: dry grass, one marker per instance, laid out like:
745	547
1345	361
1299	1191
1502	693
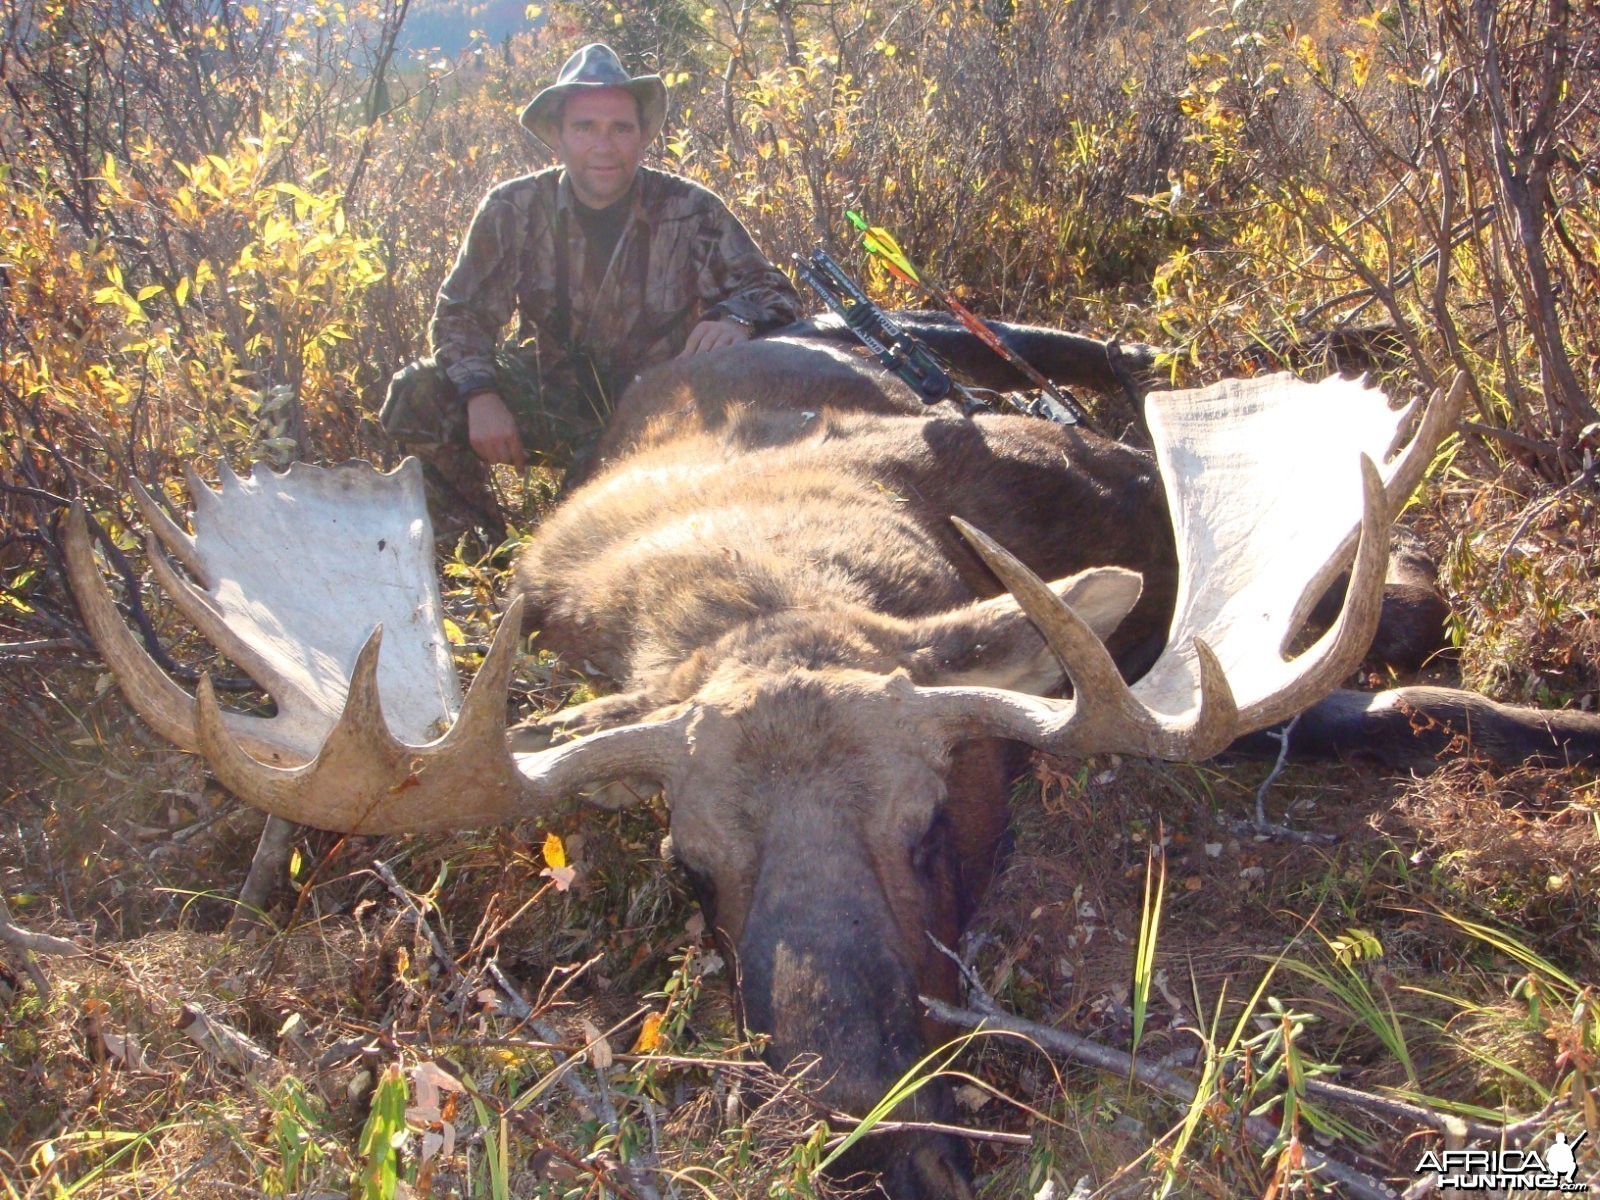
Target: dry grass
124	845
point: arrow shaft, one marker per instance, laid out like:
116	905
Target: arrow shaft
881	245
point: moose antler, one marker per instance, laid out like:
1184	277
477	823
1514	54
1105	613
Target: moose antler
354	743
1251	565
290	608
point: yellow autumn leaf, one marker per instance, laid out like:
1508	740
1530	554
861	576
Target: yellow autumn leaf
555	854
1306	50
557	871
1360	65
649	1039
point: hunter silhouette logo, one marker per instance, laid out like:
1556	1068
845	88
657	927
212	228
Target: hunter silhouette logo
1508	1170
1559	1159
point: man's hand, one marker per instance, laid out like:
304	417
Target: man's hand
492	430
714	335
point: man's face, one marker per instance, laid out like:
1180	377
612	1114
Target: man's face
601	144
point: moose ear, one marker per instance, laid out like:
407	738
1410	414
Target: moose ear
993	644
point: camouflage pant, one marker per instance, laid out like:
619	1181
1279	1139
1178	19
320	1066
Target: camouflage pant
424	416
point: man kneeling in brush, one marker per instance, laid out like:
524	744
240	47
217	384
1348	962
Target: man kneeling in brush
609	267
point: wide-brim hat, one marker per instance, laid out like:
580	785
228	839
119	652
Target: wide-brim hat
591	68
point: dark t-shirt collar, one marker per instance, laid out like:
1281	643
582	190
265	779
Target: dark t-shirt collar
602	230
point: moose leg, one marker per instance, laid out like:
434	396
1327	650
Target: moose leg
1413	625
1422	728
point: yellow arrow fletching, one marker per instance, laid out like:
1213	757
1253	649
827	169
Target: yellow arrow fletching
877	240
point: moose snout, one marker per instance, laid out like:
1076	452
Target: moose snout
825	979
913	1165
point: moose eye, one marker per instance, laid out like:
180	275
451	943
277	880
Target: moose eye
705	888
931	845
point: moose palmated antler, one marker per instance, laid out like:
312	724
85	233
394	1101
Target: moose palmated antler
365	780
299	577
1252	563
1265	522
288	574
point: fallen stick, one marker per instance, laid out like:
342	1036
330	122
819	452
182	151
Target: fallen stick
440	950
1264	1132
37	943
517	1006
222	1043
960	1131
31	943
268	865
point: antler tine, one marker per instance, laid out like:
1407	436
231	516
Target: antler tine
1105	714
173	537
485	703
163	705
197	606
364	780
1339	650
201	495
1437	418
1081	653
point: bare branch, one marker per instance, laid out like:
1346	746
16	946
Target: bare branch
1081	1049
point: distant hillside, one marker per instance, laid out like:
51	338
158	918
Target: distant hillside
448	25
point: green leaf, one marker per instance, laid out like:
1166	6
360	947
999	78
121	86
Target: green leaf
384	1132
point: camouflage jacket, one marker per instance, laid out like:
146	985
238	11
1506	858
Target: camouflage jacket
682	258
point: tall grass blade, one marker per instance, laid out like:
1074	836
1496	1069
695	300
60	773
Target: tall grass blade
1514	949
1144	959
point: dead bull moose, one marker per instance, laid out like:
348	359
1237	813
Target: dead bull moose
781	571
